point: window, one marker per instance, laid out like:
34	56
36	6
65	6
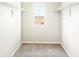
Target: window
38	13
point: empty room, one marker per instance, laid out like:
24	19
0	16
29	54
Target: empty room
39	29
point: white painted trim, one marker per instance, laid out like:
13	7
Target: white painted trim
12	6
66	50
67	6
15	49
41	42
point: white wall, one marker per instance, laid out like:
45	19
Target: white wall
10	30
49	32
71	30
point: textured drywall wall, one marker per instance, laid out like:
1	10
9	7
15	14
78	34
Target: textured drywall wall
49	32
10	29
70	34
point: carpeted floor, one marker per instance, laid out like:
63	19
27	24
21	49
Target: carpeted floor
40	50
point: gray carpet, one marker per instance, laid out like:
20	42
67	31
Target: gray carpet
40	50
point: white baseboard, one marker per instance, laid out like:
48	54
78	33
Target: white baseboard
15	50
41	42
66	50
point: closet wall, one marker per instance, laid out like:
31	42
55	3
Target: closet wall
70	34
10	29
49	31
